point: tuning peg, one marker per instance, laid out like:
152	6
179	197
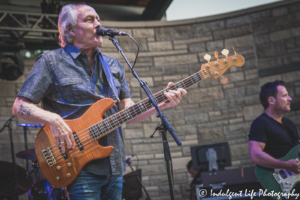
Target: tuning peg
216	55
225	52
224	80
234	50
207	57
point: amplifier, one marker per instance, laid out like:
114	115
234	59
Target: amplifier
240	182
229	177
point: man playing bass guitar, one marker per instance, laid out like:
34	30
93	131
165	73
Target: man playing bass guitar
271	135
68	81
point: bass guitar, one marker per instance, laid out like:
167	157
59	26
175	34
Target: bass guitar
61	169
281	181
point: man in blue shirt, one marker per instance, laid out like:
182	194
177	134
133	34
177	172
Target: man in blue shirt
68	81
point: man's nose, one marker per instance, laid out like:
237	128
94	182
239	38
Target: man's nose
97	24
289	98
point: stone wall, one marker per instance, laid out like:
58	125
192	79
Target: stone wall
267	36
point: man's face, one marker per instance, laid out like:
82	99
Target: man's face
85	31
283	100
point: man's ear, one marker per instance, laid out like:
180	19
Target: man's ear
70	29
271	100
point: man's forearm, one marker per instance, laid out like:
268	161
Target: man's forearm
29	112
265	160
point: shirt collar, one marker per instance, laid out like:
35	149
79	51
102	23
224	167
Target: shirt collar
75	52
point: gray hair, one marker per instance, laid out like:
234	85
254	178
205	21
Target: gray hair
67	16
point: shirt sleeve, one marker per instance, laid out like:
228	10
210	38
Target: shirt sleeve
258	131
38	82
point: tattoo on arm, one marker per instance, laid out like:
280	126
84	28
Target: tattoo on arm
24	110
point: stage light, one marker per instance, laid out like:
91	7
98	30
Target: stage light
11	62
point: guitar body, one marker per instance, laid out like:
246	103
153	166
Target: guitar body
282	183
78	159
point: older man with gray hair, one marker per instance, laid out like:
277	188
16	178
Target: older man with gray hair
68	81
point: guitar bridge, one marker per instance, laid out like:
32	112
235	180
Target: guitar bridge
277	178
49	157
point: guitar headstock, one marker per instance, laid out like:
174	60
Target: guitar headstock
216	68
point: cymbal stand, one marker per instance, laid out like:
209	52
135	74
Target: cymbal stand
25	128
8	125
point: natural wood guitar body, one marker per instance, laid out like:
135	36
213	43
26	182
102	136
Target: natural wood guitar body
77	158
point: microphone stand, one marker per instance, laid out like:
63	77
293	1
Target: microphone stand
165	124
8	125
139	180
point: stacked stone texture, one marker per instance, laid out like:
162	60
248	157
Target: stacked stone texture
267	36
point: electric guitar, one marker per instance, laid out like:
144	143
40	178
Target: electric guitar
280	181
61	169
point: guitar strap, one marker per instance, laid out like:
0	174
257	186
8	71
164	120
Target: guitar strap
109	76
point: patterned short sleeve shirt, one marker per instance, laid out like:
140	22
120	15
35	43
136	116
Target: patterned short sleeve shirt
65	84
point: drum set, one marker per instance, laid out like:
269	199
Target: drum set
31	181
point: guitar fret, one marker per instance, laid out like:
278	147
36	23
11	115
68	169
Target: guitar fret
180	85
119	117
195	77
132	111
188	82
127	114
135	110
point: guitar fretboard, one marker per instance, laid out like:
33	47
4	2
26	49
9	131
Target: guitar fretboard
111	123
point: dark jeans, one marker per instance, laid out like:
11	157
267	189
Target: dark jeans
89	186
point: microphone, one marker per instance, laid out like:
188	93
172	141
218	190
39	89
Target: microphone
102	31
129	158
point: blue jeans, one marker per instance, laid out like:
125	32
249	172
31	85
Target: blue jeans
89	186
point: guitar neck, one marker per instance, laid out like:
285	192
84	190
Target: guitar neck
111	123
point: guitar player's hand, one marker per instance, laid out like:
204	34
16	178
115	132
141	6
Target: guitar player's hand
26	110
174	96
293	165
62	134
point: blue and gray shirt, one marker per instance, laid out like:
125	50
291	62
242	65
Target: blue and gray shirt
63	81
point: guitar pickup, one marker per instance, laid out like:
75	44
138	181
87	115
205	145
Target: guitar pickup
277	178
78	143
64	155
282	174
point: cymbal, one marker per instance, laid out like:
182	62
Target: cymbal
28	154
7	182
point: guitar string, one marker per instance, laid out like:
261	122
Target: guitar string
172	87
114	126
160	97
121	117
90	138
